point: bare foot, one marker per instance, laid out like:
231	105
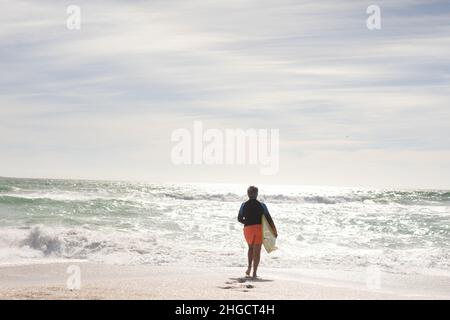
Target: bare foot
247	273
255	276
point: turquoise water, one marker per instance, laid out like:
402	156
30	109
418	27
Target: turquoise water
399	231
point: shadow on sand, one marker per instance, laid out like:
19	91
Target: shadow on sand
250	279
242	283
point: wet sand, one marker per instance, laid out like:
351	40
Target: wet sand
99	281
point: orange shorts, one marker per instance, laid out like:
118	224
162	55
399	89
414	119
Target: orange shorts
253	234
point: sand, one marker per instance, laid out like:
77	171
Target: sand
100	281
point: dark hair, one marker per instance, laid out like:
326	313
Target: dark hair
252	192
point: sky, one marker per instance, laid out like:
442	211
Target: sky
353	106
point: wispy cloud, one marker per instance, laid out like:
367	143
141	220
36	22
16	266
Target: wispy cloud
138	69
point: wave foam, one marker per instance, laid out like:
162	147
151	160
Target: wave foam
41	242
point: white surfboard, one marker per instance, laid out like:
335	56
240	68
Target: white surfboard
269	239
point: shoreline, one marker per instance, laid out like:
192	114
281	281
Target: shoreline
102	281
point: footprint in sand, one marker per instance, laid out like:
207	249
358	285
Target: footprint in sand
238	284
227	287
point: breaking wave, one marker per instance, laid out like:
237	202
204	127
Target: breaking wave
126	223
381	197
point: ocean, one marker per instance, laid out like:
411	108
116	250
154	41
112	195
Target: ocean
396	231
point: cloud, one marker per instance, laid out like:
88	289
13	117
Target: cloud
140	68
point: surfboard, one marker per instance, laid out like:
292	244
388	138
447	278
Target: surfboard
269	239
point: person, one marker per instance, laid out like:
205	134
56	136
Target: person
250	214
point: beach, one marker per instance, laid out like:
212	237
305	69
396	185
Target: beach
48	281
145	144
183	241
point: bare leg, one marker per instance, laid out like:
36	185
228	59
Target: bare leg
256	258
250	259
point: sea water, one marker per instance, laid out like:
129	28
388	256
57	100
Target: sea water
397	231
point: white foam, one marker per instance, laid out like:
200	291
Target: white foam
197	225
